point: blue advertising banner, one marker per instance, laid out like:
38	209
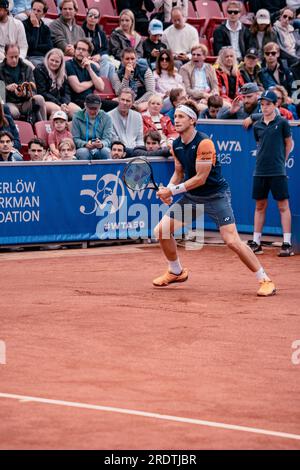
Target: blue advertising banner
236	149
77	201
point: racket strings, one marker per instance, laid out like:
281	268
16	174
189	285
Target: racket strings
138	175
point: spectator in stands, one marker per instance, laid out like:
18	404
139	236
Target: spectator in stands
37	150
52	84
153	45
177	96
152	146
7	151
60	132
21	9
20	87
127	124
135	76
165	75
92	131
65	32
164	9
287	38
37	33
229	77
214	104
284	103
232	32
250	67
244	105
180	37
118	150
67	150
83	74
274	72
155	121
7	124
125	36
262	31
199	78
93	32
11	31
139	9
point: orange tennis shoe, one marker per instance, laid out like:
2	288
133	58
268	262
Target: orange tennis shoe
169	278
266	289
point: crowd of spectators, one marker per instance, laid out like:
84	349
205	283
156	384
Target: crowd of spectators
58	70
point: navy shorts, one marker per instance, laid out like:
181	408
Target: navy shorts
217	207
278	185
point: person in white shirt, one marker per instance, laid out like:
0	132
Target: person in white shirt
12	31
180	37
127	124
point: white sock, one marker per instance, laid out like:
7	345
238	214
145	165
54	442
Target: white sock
257	237
175	267
261	275
287	238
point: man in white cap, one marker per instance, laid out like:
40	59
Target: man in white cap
153	44
198	178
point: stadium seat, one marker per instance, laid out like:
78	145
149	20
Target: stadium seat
210	10
108	92
104	6
109	23
81	13
52	10
42	129
211	59
194	20
26	134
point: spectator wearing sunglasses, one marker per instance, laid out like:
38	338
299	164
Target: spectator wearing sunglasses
165	75
287	37
232	32
274	72
93	32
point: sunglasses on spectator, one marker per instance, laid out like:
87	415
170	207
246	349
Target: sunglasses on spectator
233	12
165	59
287	17
93	15
271	53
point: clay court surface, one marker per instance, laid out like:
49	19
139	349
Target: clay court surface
96	358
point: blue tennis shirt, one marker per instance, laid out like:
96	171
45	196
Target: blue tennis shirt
187	156
270	157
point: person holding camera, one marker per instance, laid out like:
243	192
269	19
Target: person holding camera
153	45
20	87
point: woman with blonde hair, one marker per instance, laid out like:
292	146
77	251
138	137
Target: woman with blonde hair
153	120
125	36
51	82
229	77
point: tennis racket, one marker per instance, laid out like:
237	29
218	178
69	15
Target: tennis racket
138	175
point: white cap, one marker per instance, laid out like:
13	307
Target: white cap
263	16
60	115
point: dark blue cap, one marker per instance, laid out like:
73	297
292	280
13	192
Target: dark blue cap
269	96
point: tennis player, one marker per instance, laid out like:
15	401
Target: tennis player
197	177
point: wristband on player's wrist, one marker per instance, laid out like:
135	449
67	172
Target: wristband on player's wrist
177	188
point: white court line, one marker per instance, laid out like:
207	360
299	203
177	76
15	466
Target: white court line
145	414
